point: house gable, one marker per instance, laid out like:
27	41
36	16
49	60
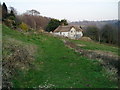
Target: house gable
72	29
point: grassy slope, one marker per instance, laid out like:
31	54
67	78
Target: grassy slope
96	46
56	65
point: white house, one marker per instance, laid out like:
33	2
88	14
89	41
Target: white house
72	32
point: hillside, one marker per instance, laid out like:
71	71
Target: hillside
40	60
99	24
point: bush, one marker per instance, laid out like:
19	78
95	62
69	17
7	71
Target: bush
92	32
24	26
16	57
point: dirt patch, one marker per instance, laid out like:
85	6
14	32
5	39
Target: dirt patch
81	45
104	53
86	39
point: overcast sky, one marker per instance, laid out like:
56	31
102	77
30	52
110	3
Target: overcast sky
72	10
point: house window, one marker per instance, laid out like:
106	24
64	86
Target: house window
60	32
71	31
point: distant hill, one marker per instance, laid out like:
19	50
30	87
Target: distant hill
99	24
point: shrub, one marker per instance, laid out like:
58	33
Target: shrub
16	57
24	26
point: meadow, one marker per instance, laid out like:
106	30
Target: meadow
54	65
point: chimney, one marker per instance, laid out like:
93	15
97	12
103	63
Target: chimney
62	24
80	27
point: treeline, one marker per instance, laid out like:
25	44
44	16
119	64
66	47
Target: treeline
8	17
29	20
35	22
107	34
32	20
54	23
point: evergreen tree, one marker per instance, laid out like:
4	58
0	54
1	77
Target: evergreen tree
13	10
4	11
12	13
64	22
52	25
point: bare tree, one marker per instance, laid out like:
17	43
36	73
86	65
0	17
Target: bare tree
33	20
33	12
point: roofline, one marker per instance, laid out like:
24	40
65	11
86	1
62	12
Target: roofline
66	31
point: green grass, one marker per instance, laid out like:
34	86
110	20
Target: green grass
56	65
88	45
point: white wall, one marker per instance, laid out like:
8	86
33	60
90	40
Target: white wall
64	34
57	33
61	33
79	33
73	34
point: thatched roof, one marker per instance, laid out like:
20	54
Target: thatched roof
66	28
